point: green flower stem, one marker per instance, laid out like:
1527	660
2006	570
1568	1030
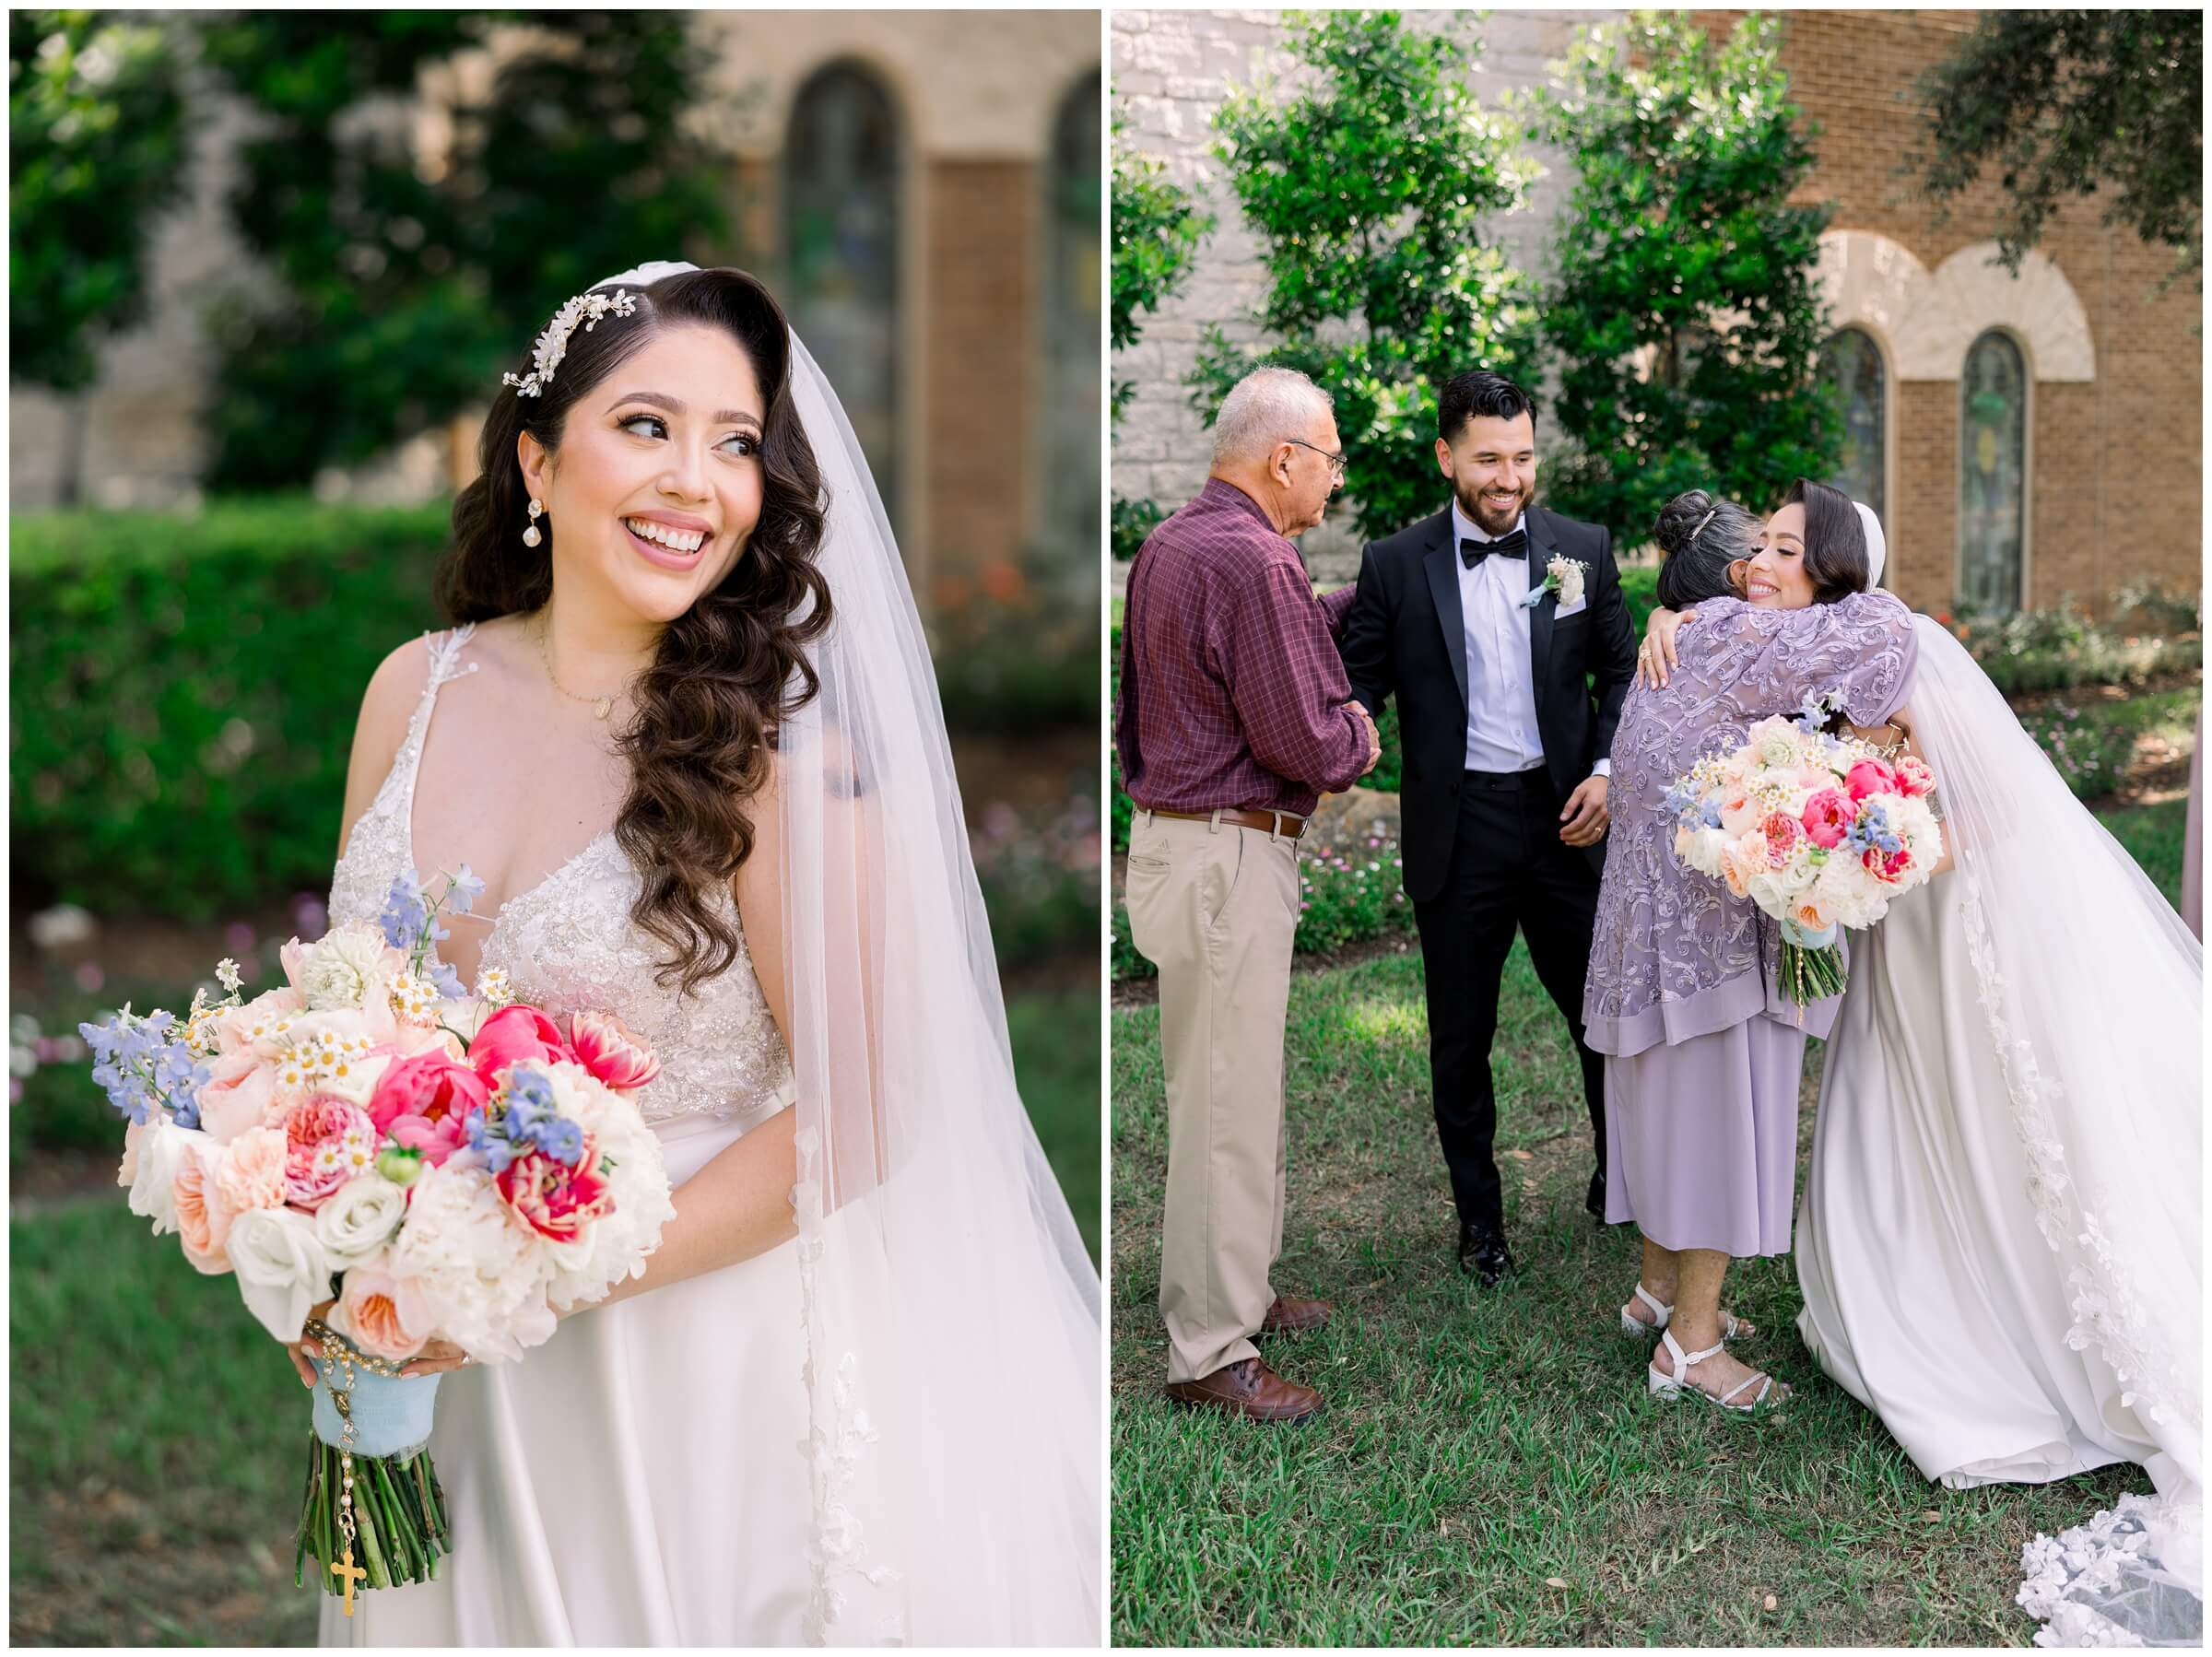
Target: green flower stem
400	1522
1820	971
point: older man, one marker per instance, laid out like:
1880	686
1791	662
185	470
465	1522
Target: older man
1235	714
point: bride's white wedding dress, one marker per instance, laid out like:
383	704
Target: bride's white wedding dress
640	1479
1999	1240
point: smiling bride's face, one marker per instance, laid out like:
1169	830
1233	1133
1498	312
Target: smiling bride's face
1775	578
658	481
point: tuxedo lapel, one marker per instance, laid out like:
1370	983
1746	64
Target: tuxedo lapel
1542	547
1441	564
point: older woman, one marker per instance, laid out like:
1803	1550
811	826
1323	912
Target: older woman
1704	1056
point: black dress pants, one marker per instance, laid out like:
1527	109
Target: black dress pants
1509	869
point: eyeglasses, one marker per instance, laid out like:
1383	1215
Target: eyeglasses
1335	460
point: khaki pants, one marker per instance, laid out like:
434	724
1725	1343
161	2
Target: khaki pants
1215	908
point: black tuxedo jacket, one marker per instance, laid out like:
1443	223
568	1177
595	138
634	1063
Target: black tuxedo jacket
1405	635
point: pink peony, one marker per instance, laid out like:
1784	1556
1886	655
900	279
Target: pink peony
202	1218
1914	777
514	1034
386	1316
1870	777
1887	865
237	1095
423	1103
328	1141
250	1174
606	1048
1828	817
553	1199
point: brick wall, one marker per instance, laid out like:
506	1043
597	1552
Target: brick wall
978	322
2115	465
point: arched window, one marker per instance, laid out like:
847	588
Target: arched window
1072	322
1993	473
841	225
1852	364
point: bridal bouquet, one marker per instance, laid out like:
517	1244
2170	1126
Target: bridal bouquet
431	1164
1819	831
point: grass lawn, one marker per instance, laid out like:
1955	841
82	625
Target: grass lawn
157	1444
1487	1470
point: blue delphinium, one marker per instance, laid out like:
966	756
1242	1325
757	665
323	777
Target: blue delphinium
143	1065
464	891
562	1140
1814	711
489	1141
1873	830
405	912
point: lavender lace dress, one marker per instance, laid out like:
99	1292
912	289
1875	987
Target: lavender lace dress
1703	1058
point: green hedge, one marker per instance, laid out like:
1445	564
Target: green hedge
184	690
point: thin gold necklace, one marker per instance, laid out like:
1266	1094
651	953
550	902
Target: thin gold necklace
602	706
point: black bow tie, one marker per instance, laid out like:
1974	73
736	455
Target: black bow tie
1513	545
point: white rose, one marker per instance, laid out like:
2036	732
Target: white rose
1570	583
282	1269
358	1217
349	967
161	1151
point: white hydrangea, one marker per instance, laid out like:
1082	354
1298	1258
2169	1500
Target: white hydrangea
484	1274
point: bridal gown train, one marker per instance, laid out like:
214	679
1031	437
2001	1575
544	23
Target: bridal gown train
640	1479
1930	1294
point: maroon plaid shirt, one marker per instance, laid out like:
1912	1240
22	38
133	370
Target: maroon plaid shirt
1232	694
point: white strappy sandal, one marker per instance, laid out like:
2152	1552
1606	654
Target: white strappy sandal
1667	1386
1636	1329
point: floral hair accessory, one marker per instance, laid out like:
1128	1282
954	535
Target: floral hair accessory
553	343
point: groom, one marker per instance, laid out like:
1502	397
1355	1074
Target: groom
1507	711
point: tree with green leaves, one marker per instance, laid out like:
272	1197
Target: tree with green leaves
411	280
2067	103
98	147
1156	229
1686	315
1369	192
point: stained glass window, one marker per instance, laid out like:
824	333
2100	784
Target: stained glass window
1852	364
841	222
1072	322
1993	454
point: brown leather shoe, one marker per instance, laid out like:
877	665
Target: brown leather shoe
1291	1317
1249	1387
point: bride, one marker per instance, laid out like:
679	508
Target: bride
687	729
1999	1240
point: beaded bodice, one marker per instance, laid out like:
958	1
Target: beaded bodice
568	946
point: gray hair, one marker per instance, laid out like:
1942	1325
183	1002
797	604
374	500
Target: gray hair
1263	409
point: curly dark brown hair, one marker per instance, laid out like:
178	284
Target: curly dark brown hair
729	670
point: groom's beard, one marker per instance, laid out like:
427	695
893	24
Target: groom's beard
1485	515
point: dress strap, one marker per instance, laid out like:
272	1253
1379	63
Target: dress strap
445	666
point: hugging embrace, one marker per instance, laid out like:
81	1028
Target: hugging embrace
1999	1235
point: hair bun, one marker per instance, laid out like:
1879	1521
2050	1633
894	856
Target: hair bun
1680	519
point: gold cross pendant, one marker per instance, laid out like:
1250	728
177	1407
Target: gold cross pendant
347	1570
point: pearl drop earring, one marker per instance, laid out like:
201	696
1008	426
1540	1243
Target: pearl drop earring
530	536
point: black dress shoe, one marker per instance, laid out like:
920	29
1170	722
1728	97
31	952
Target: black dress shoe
1484	1254
1596	1201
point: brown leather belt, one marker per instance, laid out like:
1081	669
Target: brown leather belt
1288	824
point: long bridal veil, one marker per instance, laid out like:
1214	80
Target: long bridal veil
2095	1004
954	1347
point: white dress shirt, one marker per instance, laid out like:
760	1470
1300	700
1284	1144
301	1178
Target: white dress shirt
1502	687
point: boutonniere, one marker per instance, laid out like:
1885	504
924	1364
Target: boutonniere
1563	576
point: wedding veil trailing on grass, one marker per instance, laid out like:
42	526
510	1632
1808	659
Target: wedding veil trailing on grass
2095	1004
954	1345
